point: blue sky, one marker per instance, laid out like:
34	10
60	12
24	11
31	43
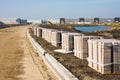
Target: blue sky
44	9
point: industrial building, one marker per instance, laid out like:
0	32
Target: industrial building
81	20
21	21
117	19
62	20
96	20
81	45
104	55
89	20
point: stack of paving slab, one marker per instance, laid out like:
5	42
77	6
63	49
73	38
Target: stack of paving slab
39	32
68	41
57	38
104	55
32	27
35	31
116	58
44	32
81	45
47	34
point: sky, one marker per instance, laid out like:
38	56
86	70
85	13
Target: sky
55	9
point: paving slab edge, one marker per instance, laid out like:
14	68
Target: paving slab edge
59	70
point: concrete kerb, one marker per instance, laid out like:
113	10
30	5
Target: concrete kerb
60	71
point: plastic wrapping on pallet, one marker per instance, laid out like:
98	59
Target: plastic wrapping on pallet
68	41
35	31
103	54
81	45
39	32
56	38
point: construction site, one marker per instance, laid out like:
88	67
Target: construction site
60	40
91	55
50	53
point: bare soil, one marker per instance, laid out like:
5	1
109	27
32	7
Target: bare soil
18	59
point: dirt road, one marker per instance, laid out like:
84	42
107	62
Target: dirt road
18	59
